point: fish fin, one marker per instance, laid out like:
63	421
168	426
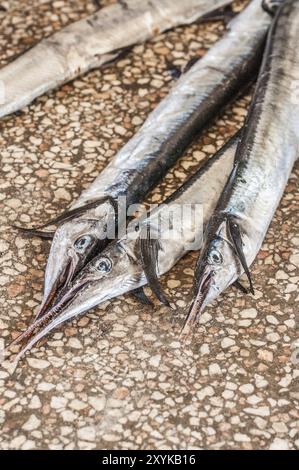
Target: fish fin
97	3
225	14
123	4
71	214
117	54
149	252
141	296
240	286
270	6
190	63
173	69
236	236
35	233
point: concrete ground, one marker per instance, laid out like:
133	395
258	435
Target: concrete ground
120	377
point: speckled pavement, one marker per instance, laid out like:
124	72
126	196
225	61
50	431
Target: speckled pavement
120	377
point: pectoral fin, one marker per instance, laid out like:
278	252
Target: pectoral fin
225	14
149	252
270	6
36	233
141	296
69	215
240	286
236	237
190	63
97	3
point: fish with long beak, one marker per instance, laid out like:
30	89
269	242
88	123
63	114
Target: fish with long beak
264	160
199	95
93	42
122	268
73	250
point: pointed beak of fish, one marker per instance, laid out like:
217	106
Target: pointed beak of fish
66	260
203	286
58	288
50	319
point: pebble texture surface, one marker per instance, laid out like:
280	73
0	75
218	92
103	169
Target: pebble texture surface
120	377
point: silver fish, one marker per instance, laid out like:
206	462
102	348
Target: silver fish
197	97
91	43
264	160
118	269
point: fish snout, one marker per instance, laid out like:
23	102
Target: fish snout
203	287
59	284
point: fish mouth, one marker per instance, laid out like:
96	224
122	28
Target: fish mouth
200	300
54	316
58	288
68	274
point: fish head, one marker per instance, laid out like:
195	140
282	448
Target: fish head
112	273
74	244
216	269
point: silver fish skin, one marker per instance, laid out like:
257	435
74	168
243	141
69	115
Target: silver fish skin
264	161
117	270
196	99
90	43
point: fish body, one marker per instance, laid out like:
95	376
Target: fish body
90	43
118	270
264	161
196	98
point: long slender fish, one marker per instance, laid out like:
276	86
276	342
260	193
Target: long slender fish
197	97
91	43
119	268
264	160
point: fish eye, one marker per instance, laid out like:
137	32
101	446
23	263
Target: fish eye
103	265
82	243
215	257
